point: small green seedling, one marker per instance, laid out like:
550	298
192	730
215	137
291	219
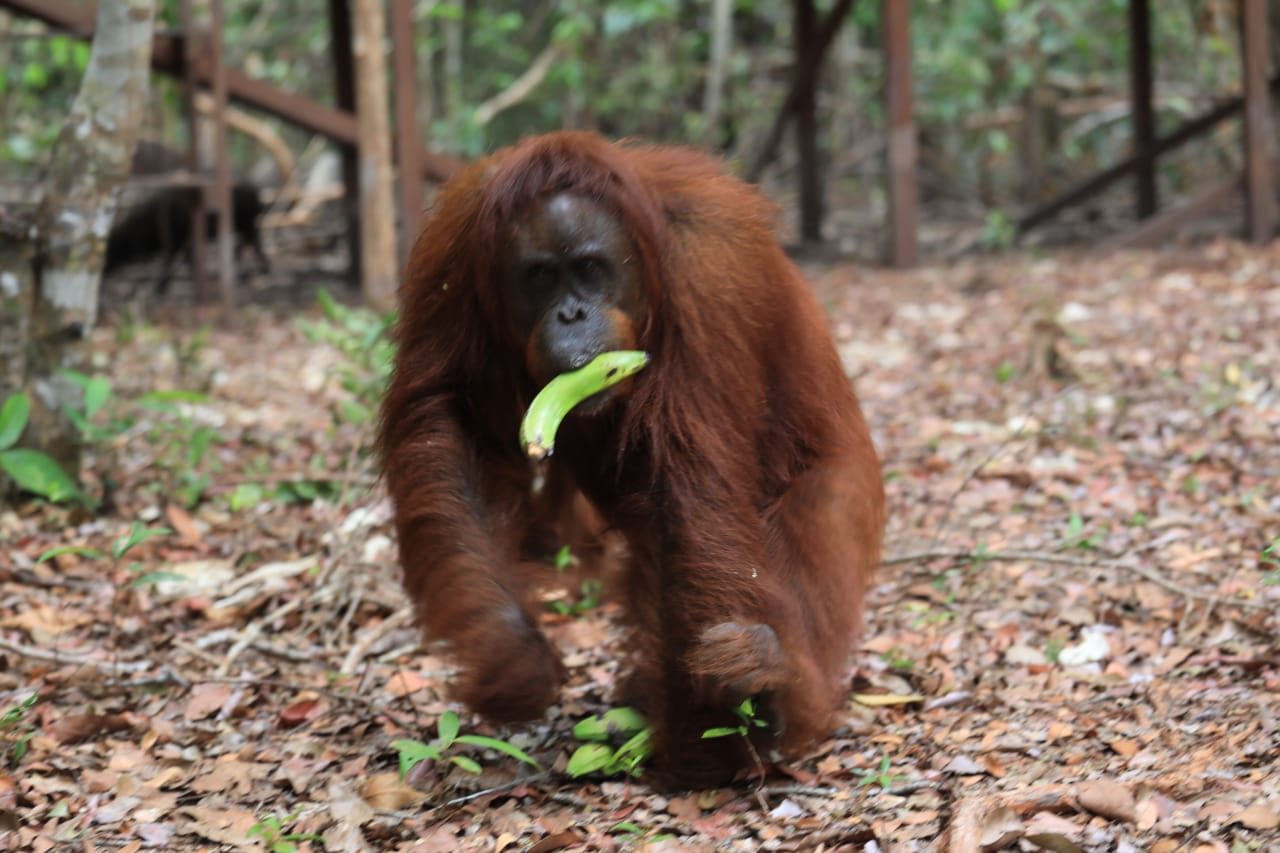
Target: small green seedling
15	726
592	593
122	546
879	776
414	752
31	470
1270	560
272	830
598	755
564	559
746	714
1076	536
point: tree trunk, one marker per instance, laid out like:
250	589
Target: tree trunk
799	82
377	201
89	162
717	68
809	169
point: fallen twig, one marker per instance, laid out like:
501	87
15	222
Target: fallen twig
1068	560
35	653
360	648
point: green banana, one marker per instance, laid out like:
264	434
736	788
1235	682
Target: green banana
560	395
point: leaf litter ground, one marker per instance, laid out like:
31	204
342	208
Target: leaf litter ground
1073	641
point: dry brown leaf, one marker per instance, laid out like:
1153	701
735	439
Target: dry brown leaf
300	712
1054	842
225	826
75	728
388	792
1000	827
346	805
1109	799
206	700
183	524
46	621
406	682
558	841
1259	817
1124	746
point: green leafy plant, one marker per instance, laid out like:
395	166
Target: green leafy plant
625	727
1270	561
119	549
1053	647
1005	371
360	335
879	775
895	658
1077	537
414	752
747	720
32	470
16	727
564	559
592	592
273	833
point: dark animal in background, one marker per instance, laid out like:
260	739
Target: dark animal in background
160	226
737	465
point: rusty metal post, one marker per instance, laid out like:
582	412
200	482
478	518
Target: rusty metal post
191	44
1141	97
902	144
222	165
1260	178
408	148
340	48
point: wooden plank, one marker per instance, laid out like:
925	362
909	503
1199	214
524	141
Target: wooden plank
1141	100
166	55
1156	229
1104	179
405	71
377	199
1260	179
902	144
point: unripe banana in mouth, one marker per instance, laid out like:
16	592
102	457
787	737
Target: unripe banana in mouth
560	395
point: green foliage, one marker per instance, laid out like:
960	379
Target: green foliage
747	719
120	548
998	231
31	470
271	830
564	559
166	421
16	728
895	658
618	742
360	335
591	594
414	752
879	775
1270	561
1077	537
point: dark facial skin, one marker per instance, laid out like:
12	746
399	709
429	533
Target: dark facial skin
571	285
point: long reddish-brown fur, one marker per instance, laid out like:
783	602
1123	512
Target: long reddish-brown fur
738	465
